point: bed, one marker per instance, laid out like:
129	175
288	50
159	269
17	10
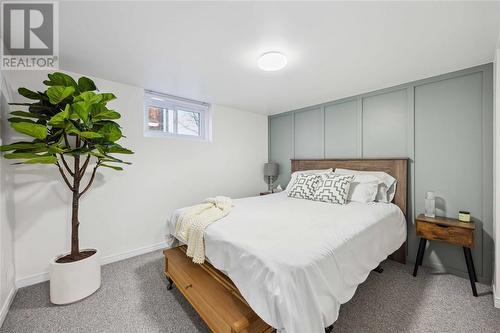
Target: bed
296	261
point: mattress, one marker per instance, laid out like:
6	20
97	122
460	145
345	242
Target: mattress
296	261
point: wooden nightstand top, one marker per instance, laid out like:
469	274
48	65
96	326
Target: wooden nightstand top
446	221
265	193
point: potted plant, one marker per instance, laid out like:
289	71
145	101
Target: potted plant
72	129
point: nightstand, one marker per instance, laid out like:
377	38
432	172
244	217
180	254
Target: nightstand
265	193
451	231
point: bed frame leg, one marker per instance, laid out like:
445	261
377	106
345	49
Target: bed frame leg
378	269
170	284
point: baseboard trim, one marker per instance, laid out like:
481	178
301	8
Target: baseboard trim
44	276
435	267
496	298
32	279
6	305
132	253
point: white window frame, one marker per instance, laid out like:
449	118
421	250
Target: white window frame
174	103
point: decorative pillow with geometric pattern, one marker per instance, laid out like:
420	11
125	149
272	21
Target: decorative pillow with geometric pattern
333	188
304	186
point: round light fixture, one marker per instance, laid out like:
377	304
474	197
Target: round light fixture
272	61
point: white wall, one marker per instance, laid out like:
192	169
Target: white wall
125	212
496	177
7	288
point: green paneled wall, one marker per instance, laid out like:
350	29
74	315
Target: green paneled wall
442	124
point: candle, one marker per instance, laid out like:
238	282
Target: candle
464	216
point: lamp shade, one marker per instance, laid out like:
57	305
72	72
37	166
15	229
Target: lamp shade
271	169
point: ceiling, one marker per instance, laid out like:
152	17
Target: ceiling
208	50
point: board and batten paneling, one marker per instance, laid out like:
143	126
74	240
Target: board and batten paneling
449	139
442	124
281	145
385	125
340	138
308	133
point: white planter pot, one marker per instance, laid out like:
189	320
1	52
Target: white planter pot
73	281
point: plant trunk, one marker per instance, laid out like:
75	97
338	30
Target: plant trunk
75	246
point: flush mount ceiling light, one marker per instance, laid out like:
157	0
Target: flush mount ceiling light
272	61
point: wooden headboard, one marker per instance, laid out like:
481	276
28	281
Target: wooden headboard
396	167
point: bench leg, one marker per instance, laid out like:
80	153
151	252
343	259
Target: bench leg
170	284
471	270
420	255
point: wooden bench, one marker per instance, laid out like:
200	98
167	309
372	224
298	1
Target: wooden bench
212	294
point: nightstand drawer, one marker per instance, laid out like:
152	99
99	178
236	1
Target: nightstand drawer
443	232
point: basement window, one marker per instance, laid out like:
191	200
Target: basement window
175	117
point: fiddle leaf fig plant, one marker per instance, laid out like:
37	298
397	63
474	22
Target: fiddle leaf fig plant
71	127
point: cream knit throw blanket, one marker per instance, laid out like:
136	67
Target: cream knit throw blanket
193	221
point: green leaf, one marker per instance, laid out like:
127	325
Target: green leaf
91	135
117	149
74	116
58	93
112	167
35	130
20	120
35	150
59	118
82	109
86	84
109	158
103	113
42	160
55	135
21	145
97	154
55	149
79	151
42	109
106	97
25	114
20	155
60	79
89	96
71	129
111	131
28	93
38	108
114	160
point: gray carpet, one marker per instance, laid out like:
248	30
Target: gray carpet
134	298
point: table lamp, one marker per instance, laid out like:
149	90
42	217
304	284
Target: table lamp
271	170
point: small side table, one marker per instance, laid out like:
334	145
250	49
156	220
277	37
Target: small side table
451	231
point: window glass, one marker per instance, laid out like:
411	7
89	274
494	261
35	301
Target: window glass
188	122
156	121
170	116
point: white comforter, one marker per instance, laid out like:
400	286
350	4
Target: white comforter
296	261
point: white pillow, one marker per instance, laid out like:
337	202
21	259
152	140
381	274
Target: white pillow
386	187
364	188
333	188
304	186
305	172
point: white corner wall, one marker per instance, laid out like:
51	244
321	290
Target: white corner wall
124	213
7	286
496	177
